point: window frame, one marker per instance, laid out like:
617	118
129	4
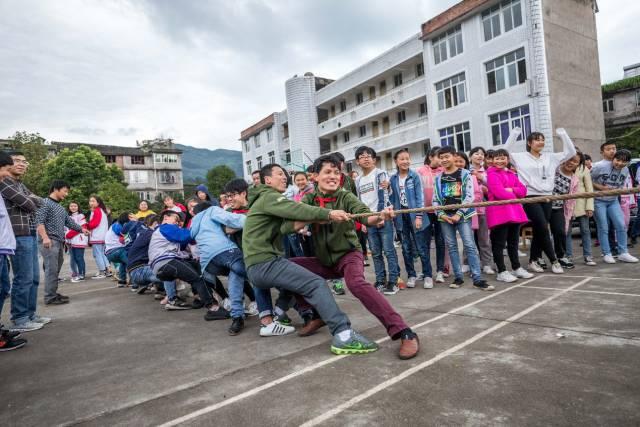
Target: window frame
259	162
443	45
137	160
397	79
248	166
453	132
521	120
359	98
420	69
272	156
346	136
362	130
506	68
135	176
270	134
109	158
449	84
401	117
424	109
343	105
496	16
608	105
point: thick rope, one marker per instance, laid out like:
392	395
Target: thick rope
537	199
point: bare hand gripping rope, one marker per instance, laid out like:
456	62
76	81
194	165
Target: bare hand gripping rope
540	199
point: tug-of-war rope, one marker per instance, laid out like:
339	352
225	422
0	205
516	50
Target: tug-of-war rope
536	199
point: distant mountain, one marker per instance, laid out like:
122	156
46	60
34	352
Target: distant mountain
196	162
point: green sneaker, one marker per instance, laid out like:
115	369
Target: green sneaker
356	344
337	286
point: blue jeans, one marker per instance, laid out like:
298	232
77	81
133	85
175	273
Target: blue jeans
232	261
605	211
144	276
469	244
26	278
119	257
435	230
98	254
409	236
77	257
5	284
585	234
381	241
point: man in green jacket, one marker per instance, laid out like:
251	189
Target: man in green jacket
266	266
338	252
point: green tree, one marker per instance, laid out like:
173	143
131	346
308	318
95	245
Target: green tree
217	177
118	198
36	150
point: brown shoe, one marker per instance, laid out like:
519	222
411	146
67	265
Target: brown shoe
311	327
409	348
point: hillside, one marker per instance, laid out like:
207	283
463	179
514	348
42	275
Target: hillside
197	161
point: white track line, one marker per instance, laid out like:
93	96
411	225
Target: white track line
310	368
348	404
88	291
583	291
592	277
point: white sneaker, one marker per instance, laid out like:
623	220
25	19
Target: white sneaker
411	283
276	329
488	270
41	319
465	268
27	326
522	273
557	268
75	280
521	254
507	277
589	261
609	259
627	257
535	267
439	277
428	283
251	309
420	276
226	304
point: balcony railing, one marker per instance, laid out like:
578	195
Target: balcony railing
408	91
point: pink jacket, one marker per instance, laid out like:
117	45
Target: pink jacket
569	205
427	175
498	180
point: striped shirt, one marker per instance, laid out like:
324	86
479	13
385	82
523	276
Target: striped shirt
54	218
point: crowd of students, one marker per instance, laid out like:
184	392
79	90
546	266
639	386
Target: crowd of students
291	235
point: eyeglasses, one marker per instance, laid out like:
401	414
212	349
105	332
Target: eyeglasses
365	157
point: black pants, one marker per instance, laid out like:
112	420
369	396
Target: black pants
362	238
183	269
509	234
540	214
558	232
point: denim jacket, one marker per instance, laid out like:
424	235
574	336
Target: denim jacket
415	198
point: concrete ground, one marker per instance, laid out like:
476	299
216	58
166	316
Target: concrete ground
553	350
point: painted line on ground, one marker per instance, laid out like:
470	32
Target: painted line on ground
593	277
392	381
311	368
88	291
583	291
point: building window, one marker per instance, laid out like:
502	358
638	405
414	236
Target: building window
345	136
457	136
145	195
333	111
607	105
269	134
503	122
506	71
638	98
137	160
419	69
401	117
248	164
447	45
167	178
451	92
256	141
272	156
359	98
501	18
246	144
287	156
343	106
397	80
138	177
109	158
426	148
423	109
166	158
259	162
363	131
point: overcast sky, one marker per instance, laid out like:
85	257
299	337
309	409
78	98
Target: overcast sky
111	72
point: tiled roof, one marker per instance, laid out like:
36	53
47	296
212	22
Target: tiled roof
114	150
455	12
256	128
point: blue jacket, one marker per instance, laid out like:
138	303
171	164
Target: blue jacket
415	199
467	195
138	253
204	189
130	232
207	229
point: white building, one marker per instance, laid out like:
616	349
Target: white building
474	71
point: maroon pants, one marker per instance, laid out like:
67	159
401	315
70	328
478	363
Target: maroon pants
351	267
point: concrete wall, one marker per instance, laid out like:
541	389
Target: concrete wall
626	109
571	46
302	116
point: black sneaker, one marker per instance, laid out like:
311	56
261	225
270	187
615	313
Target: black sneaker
177	304
566	263
542	263
391	288
197	304
160	295
237	325
483	285
456	283
62	296
219	314
9	335
366	261
141	290
8	345
56	301
380	286
122	283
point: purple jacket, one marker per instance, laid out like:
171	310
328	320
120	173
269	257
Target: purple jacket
498	181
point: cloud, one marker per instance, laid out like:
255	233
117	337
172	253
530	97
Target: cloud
201	71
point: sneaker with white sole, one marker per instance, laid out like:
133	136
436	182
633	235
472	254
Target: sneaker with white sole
276	329
439	277
588	260
556	268
535	267
521	254
99	275
507	277
251	309
41	319
26	327
627	257
177	304
226	304
488	270
420	276
428	283
411	283
608	259
76	280
521	273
